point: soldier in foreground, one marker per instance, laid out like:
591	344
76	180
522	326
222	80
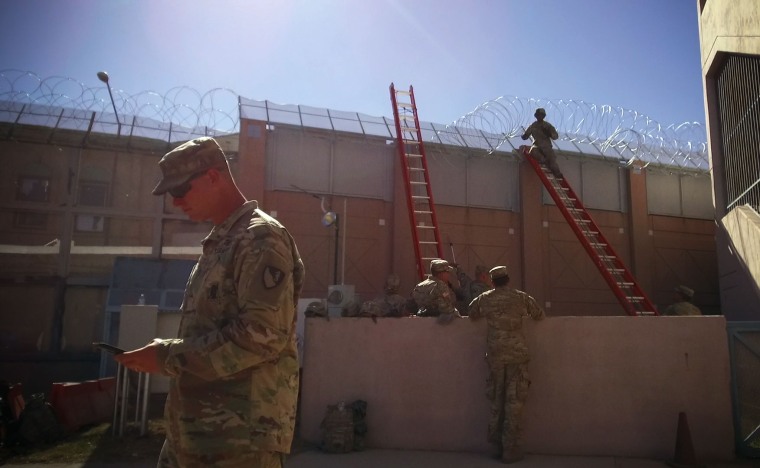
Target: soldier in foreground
434	296
234	366
507	388
682	305
543	133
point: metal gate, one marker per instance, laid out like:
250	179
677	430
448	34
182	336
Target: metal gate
744	349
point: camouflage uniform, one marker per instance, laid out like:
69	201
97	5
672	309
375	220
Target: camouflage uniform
234	367
682	308
390	304
434	298
683	305
543	133
507	386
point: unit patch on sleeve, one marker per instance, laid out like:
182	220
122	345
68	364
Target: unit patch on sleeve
272	277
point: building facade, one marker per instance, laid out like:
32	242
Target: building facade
730	45
76	201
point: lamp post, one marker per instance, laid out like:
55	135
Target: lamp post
330	218
103	76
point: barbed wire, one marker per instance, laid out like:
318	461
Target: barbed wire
182	105
683	145
494	122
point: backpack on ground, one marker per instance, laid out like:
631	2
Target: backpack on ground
37	423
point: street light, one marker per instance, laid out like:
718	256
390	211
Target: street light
103	76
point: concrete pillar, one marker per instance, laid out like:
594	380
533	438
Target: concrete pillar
642	246
534	247
251	175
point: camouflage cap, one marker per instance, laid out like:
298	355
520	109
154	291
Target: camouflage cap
188	159
685	290
498	272
438	265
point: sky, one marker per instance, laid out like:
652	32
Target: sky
641	55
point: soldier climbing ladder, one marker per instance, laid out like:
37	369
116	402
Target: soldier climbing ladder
620	280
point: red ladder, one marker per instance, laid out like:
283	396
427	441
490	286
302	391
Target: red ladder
419	196
621	282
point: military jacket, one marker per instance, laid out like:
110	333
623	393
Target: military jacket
542	132
234	365
682	308
504	309
434	297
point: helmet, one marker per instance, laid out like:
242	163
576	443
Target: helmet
540	111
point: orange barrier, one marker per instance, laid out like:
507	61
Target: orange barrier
77	404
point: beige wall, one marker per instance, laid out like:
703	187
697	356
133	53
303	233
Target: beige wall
729	27
600	385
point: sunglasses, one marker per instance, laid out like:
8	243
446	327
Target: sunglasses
181	190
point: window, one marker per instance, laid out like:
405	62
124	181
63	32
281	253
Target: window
91	194
32	189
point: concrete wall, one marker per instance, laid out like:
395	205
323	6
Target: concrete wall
729	27
600	385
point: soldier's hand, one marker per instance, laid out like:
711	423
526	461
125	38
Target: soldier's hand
144	359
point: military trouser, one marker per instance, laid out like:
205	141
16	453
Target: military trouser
169	459
507	389
546	154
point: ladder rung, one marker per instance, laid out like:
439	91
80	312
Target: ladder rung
598	244
405	93
420	197
607	257
429	242
413	155
409	129
422	226
646	312
625	284
417	169
423	212
635	298
590	233
417	183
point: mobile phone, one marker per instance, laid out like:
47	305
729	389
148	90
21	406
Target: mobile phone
108	348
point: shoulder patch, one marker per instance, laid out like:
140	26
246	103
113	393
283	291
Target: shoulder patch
272	277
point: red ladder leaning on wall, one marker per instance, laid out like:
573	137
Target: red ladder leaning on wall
623	284
419	196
